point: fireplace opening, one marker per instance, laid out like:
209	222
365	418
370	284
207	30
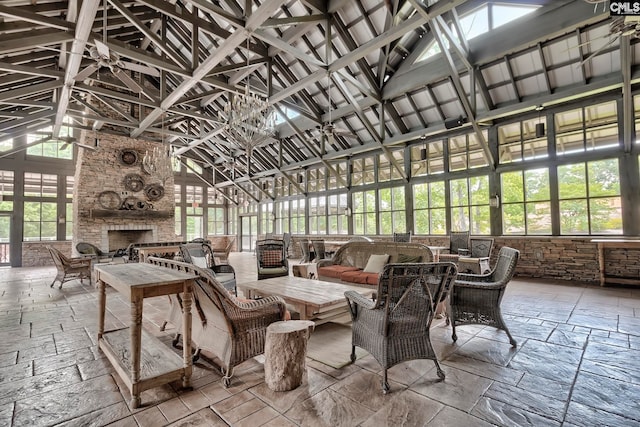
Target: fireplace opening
120	239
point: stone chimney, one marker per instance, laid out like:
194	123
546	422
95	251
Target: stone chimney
115	200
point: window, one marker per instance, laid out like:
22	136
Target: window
318	215
432	164
482	20
232	220
430	213
178	214
215	212
6	190
587	128
526	205
364	212
6	145
470	205
40	207
517	141
69	208
282	216
337	220
194	211
392	214
193	167
282	186
362	171
334	182
57	148
266	220
589	195
298	225
465	152
317	180
386	170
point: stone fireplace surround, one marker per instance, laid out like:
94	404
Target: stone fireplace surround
101	170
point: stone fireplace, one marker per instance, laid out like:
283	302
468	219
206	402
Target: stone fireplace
115	202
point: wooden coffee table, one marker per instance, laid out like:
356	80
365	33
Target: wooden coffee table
315	300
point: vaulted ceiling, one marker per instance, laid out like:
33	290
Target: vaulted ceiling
355	63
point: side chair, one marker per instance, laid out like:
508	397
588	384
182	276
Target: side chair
476	298
458	244
271	259
395	327
69	268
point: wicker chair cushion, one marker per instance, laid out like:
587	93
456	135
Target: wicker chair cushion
404	258
376	263
335	271
271	259
360	277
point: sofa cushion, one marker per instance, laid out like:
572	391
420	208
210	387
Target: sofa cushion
376	263
360	277
335	271
404	258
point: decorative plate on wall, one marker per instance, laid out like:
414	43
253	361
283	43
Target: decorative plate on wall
133	182
109	200
128	157
154	192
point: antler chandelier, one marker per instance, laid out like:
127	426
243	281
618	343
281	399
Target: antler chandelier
249	119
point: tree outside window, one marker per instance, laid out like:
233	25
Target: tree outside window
392	210
430	213
526	204
470	205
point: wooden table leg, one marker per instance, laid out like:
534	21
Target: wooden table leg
186	335
601	262
101	307
136	338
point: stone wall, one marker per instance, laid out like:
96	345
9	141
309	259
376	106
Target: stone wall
35	254
103	170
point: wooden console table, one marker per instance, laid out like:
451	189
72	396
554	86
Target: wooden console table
140	359
615	244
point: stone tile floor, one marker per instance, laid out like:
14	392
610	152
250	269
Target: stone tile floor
576	364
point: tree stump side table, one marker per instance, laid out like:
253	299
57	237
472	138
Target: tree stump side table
285	351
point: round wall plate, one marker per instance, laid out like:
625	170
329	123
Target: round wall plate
133	182
109	200
154	192
128	157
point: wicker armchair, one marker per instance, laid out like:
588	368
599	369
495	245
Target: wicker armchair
201	255
458	245
395	327
223	255
306	253
224	328
402	237
319	249
475	299
69	268
93	251
271	259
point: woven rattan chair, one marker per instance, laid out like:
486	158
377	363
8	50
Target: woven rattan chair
69	268
306	253
201	255
271	259
395	327
475	299
402	237
223	327
319	249
223	255
93	251
458	245
478	261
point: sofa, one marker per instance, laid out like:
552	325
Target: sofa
353	262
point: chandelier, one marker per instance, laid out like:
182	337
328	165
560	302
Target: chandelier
158	162
248	118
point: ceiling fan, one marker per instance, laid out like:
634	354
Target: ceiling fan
621	26
328	129
68	139
105	58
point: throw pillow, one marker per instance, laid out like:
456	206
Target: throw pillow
199	261
376	263
404	258
271	259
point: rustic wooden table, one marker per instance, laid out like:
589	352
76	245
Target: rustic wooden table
139	358
314	299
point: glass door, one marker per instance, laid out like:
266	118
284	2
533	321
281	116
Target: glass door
248	232
5	244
